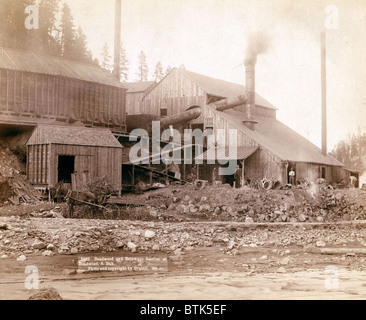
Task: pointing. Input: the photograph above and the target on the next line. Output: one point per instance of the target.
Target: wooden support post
(150, 174)
(133, 175)
(242, 172)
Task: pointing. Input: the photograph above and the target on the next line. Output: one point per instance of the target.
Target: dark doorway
(66, 167)
(323, 172)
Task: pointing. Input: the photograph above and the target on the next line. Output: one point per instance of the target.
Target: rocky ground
(185, 231)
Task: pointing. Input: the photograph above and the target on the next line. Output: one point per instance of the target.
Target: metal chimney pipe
(249, 121)
(117, 39)
(230, 103)
(324, 92)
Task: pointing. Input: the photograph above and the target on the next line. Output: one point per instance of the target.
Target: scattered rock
(285, 261)
(119, 244)
(39, 245)
(50, 247)
(63, 249)
(48, 253)
(302, 217)
(320, 243)
(4, 256)
(263, 257)
(74, 251)
(46, 294)
(149, 234)
(156, 247)
(249, 220)
(281, 270)
(22, 258)
(94, 247)
(132, 246)
(68, 272)
(153, 213)
(178, 252)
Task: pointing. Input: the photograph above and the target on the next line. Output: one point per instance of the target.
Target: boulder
(46, 294)
(39, 245)
(149, 234)
(22, 258)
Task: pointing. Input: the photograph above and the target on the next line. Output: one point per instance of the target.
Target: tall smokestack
(117, 40)
(324, 92)
(249, 121)
(258, 43)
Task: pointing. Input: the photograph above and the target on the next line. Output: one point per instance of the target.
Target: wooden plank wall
(31, 94)
(97, 161)
(134, 102)
(38, 164)
(175, 93)
(262, 164)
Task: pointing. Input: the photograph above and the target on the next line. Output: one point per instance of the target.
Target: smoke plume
(258, 42)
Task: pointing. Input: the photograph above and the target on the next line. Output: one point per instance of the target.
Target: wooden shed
(74, 155)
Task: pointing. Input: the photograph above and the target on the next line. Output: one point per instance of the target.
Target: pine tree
(352, 152)
(158, 74)
(81, 51)
(68, 34)
(124, 64)
(168, 69)
(143, 70)
(48, 10)
(13, 33)
(106, 58)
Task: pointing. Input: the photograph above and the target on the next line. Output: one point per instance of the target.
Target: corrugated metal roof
(140, 86)
(241, 153)
(38, 63)
(68, 135)
(279, 139)
(223, 88)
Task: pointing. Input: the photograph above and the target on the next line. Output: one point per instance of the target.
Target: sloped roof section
(78, 136)
(141, 86)
(279, 139)
(38, 63)
(223, 88)
(240, 153)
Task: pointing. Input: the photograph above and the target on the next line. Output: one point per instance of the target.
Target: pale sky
(209, 37)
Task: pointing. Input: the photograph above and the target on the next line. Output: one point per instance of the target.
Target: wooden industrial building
(267, 150)
(37, 88)
(73, 155)
(134, 95)
(68, 112)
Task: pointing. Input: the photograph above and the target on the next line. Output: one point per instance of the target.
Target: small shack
(74, 155)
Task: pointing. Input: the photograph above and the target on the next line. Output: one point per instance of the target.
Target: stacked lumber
(18, 190)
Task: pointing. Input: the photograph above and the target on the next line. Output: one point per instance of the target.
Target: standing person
(193, 175)
(292, 176)
(214, 175)
(353, 181)
(237, 177)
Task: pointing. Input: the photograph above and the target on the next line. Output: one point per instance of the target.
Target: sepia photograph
(184, 154)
